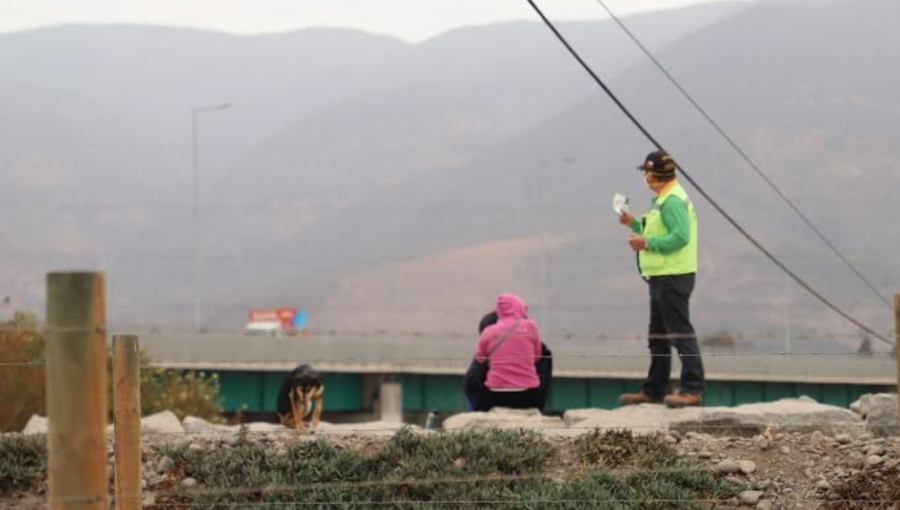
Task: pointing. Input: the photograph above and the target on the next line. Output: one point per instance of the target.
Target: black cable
(703, 192)
(745, 156)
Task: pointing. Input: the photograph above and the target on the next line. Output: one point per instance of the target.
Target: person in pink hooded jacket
(512, 378)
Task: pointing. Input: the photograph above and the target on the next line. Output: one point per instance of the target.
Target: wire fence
(401, 503)
(703, 423)
(262, 362)
(745, 338)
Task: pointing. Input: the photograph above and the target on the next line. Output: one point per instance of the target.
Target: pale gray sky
(410, 19)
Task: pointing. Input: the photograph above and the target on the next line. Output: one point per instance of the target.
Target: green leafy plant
(23, 462)
(182, 392)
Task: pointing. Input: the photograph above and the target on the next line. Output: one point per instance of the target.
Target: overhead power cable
(743, 154)
(800, 281)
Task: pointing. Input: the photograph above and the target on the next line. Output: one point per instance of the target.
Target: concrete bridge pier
(390, 402)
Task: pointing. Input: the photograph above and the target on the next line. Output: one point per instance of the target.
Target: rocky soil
(792, 463)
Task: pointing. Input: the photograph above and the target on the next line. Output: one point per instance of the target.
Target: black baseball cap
(659, 163)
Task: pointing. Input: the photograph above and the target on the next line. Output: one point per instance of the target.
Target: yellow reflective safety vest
(680, 261)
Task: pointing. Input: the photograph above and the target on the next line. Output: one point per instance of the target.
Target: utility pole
(787, 314)
(544, 294)
(195, 208)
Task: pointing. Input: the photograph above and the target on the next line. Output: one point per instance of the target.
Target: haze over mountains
(388, 186)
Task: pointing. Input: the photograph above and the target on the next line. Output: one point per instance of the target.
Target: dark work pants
(670, 324)
(513, 399)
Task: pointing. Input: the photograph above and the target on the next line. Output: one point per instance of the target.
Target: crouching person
(504, 372)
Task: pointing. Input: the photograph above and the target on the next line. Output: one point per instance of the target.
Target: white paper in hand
(620, 203)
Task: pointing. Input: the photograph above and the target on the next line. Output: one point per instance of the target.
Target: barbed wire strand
(683, 428)
(163, 363)
(406, 502)
(150, 331)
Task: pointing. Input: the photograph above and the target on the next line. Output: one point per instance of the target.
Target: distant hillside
(389, 186)
(558, 178)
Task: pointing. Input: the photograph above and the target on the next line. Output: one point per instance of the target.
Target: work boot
(683, 400)
(630, 399)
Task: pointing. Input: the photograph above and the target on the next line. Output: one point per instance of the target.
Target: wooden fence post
(127, 419)
(76, 391)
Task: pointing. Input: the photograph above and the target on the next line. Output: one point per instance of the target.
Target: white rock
(378, 428)
(165, 465)
(817, 438)
(643, 419)
(188, 483)
(882, 415)
(36, 425)
(764, 505)
(162, 423)
(747, 466)
(874, 460)
(875, 450)
(801, 415)
(728, 466)
(750, 497)
(263, 427)
(194, 425)
(503, 419)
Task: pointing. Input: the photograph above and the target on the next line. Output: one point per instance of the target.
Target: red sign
(283, 315)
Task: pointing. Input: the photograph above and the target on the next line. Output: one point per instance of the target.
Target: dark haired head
(488, 320)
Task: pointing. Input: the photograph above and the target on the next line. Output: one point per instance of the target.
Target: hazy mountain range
(389, 186)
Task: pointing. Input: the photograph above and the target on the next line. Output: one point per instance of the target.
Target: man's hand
(637, 242)
(626, 218)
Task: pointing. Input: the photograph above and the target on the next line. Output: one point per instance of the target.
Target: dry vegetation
(23, 380)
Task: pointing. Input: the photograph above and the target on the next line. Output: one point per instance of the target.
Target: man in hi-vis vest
(666, 243)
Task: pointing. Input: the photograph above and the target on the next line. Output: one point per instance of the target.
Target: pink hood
(511, 307)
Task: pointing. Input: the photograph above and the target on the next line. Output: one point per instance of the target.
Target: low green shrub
(473, 469)
(23, 462)
(182, 392)
(616, 447)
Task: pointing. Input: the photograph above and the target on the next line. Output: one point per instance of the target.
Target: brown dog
(301, 394)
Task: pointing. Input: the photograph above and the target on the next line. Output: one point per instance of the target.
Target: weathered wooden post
(127, 419)
(76, 391)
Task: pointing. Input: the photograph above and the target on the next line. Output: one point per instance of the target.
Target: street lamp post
(195, 205)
